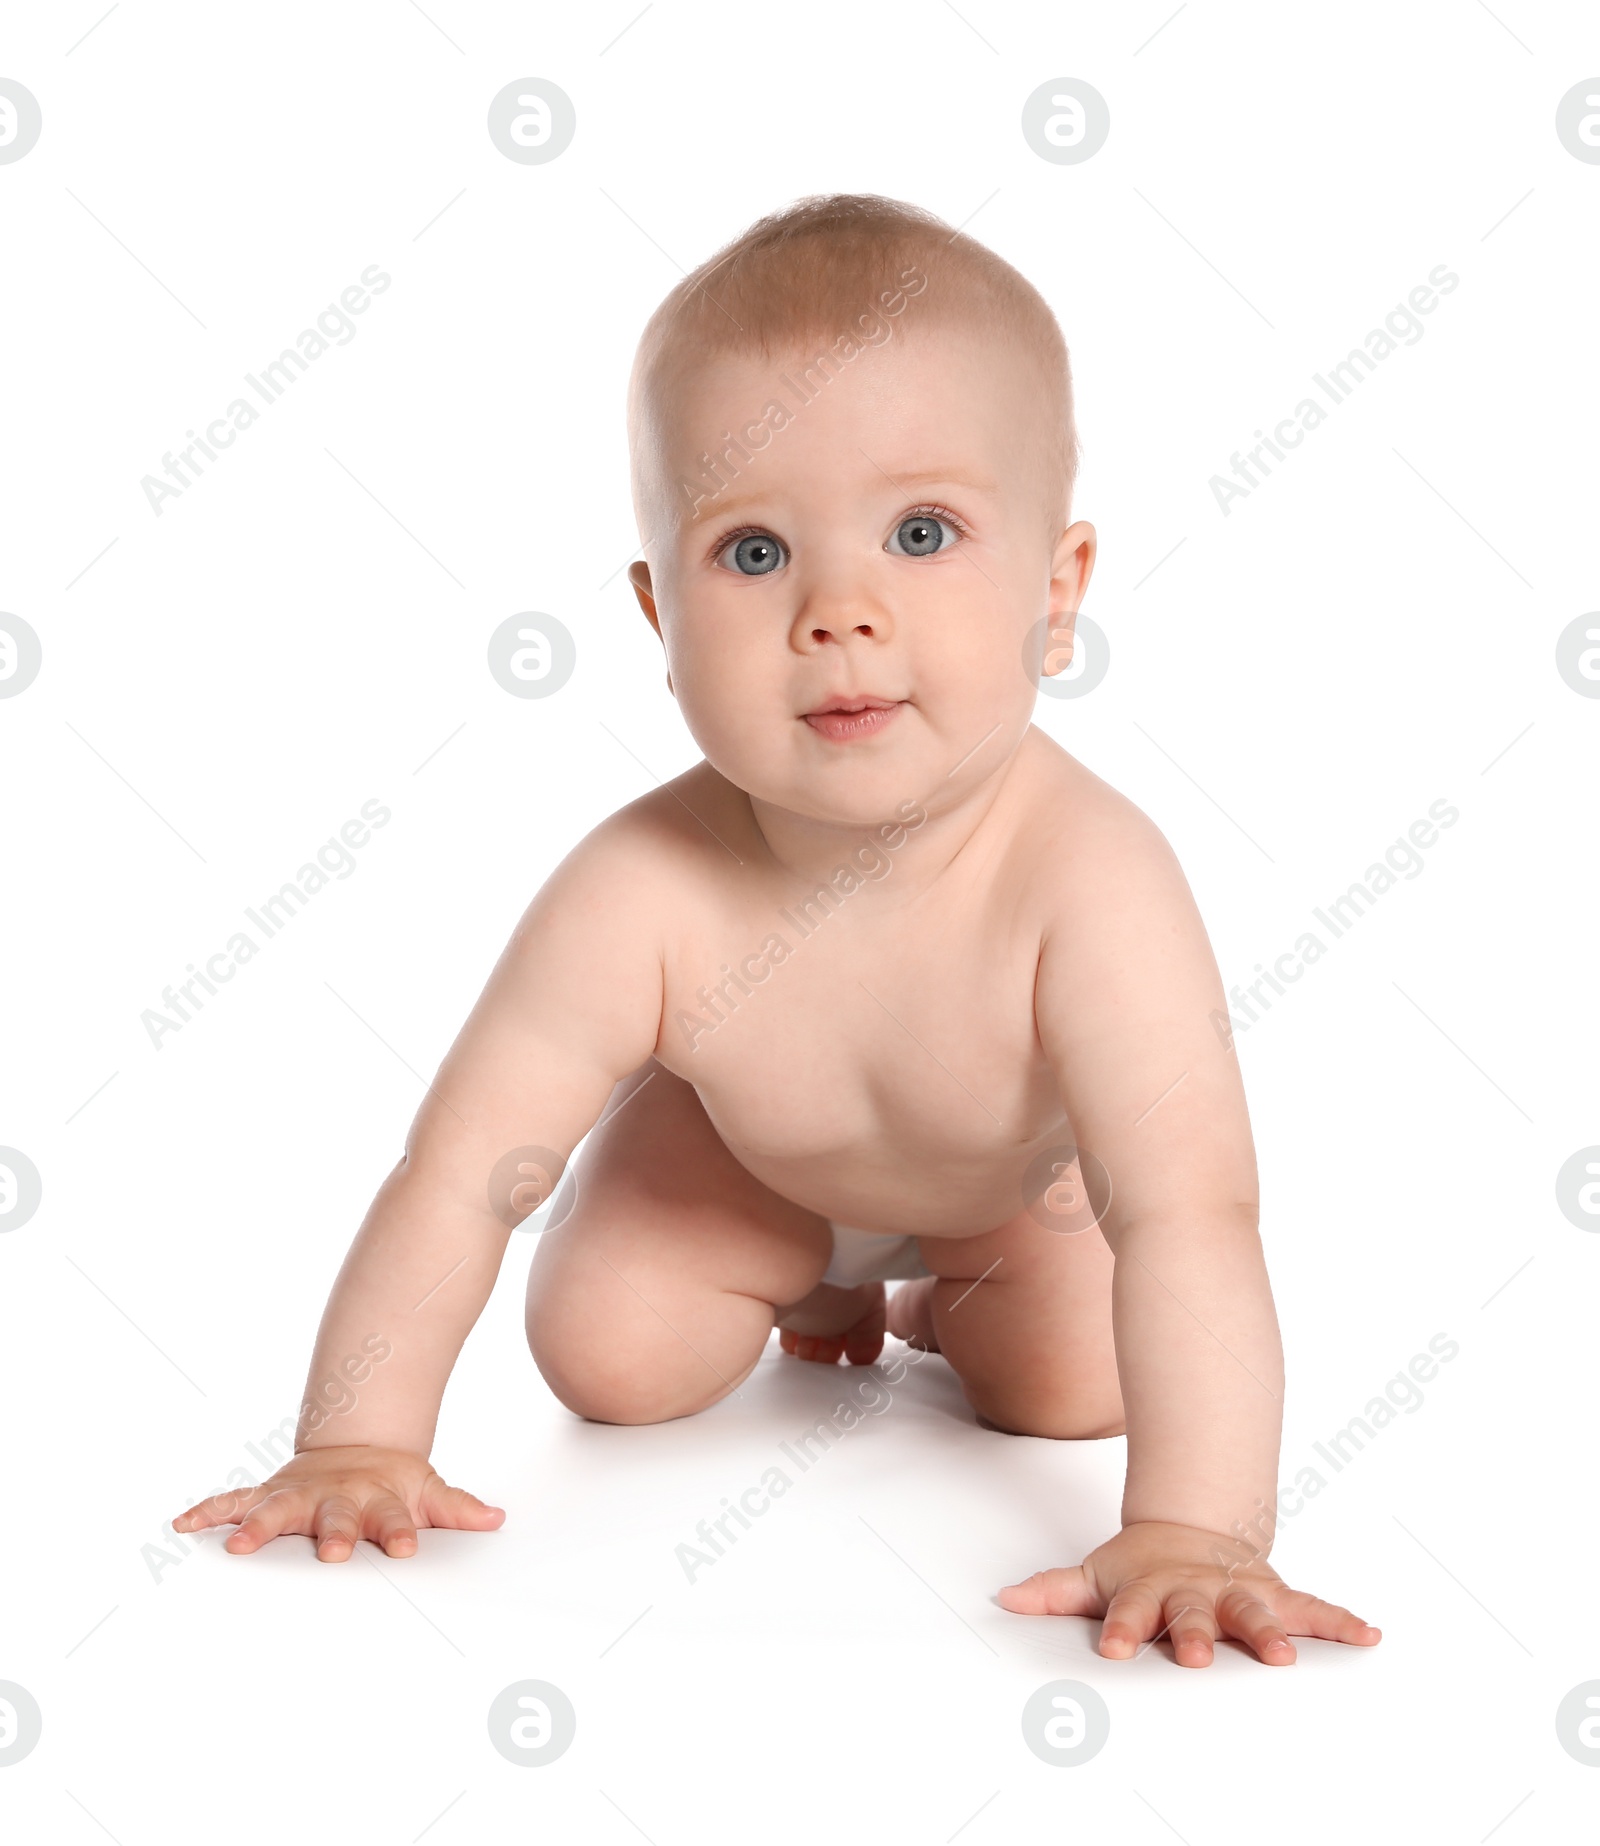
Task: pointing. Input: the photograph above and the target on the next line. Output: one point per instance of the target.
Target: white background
(1372, 630)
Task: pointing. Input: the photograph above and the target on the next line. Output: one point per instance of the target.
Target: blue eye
(754, 554)
(922, 534)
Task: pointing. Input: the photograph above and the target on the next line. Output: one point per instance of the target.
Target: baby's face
(845, 622)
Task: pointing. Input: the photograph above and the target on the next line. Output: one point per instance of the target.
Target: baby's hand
(1152, 1577)
(340, 1495)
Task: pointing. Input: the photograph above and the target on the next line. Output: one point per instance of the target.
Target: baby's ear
(1059, 639)
(639, 577)
(1072, 564)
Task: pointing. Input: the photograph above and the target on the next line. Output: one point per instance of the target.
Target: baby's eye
(754, 554)
(921, 534)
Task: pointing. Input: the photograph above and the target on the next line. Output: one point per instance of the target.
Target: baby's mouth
(843, 720)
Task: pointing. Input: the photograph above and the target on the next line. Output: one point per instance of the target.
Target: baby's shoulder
(668, 838)
(1085, 850)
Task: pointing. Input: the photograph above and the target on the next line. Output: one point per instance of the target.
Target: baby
(888, 986)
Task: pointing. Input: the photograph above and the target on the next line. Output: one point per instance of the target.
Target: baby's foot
(910, 1313)
(835, 1322)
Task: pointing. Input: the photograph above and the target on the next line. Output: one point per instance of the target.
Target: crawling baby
(889, 986)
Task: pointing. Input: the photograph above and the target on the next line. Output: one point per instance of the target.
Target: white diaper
(872, 1256)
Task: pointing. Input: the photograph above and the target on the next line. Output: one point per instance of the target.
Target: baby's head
(853, 457)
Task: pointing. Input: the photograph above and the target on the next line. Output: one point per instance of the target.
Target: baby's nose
(836, 613)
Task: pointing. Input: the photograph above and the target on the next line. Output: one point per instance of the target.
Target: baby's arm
(1126, 997)
(572, 1006)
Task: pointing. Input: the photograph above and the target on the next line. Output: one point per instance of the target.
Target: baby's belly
(891, 1079)
(882, 1163)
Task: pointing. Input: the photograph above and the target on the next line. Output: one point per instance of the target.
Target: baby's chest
(825, 1030)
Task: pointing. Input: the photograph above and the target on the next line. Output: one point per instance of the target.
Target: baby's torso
(867, 1048)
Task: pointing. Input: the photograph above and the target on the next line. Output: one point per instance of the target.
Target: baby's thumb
(455, 1507)
(1064, 1591)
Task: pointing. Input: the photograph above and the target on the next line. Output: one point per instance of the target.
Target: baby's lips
(862, 721)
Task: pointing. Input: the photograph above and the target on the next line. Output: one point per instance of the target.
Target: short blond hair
(813, 270)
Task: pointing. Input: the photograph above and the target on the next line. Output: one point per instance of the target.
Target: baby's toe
(824, 1348)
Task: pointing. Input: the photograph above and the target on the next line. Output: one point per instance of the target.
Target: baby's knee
(1087, 1415)
(595, 1379)
(619, 1400)
(1060, 1428)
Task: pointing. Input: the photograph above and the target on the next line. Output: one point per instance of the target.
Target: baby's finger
(1247, 1618)
(455, 1507)
(219, 1509)
(1064, 1591)
(1133, 1617)
(336, 1525)
(1192, 1627)
(283, 1511)
(1303, 1614)
(387, 1523)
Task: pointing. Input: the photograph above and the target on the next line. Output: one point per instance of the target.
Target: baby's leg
(656, 1296)
(1031, 1341)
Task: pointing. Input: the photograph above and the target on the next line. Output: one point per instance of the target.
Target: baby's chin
(862, 816)
(850, 797)
(855, 782)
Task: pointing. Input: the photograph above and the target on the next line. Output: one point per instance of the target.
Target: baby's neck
(923, 835)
